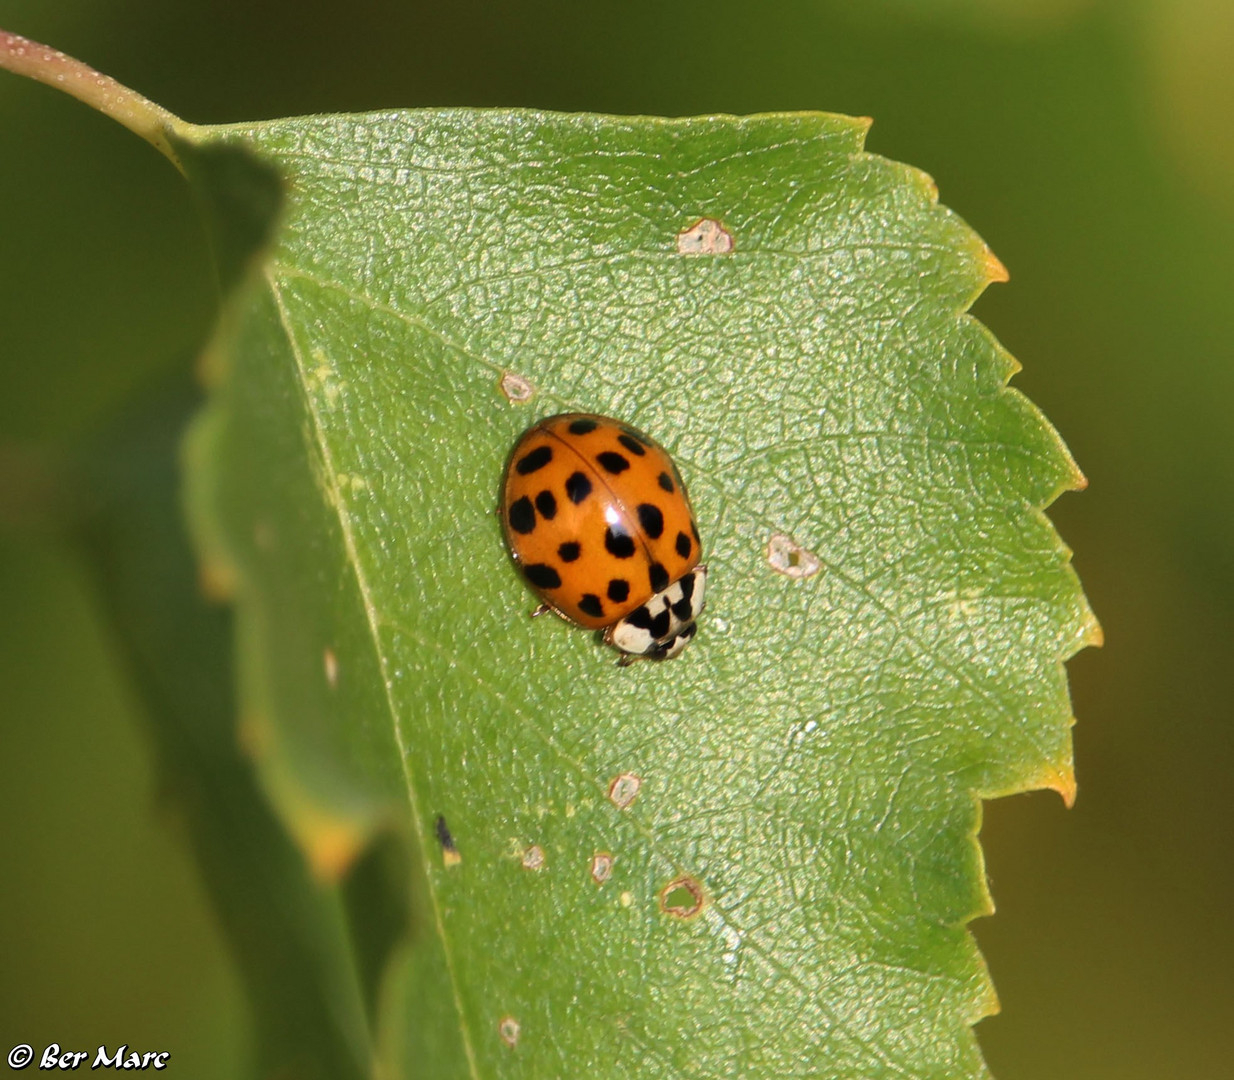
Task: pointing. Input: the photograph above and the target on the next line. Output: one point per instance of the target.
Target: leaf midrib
(370, 610)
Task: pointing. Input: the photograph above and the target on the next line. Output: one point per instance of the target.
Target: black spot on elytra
(581, 427)
(547, 505)
(660, 624)
(578, 487)
(658, 576)
(632, 444)
(650, 518)
(590, 603)
(533, 460)
(640, 618)
(619, 543)
(542, 576)
(618, 590)
(569, 551)
(521, 516)
(612, 462)
(683, 545)
(666, 482)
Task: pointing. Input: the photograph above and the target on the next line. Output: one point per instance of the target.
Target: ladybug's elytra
(599, 522)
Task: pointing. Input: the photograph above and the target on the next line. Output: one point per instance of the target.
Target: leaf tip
(1062, 780)
(995, 271)
(1092, 636)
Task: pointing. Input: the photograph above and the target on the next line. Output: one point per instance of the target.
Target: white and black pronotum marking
(663, 626)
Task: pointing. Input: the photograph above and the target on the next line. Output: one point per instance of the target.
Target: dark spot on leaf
(449, 851)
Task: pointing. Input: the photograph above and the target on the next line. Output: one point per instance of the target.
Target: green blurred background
(1091, 142)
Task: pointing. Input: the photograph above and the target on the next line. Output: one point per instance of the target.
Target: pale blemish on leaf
(533, 858)
(329, 662)
(601, 867)
(683, 898)
(786, 557)
(707, 236)
(517, 389)
(509, 1029)
(623, 789)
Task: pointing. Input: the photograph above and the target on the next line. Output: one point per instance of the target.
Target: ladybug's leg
(542, 609)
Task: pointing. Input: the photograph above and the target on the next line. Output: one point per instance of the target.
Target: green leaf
(888, 607)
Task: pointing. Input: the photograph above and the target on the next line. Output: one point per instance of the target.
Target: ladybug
(599, 522)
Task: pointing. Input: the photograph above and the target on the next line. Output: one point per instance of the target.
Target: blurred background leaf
(1063, 140)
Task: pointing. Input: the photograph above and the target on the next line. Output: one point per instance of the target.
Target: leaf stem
(137, 113)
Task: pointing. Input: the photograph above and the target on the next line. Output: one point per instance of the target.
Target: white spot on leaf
(705, 237)
(516, 388)
(786, 557)
(601, 867)
(623, 789)
(509, 1029)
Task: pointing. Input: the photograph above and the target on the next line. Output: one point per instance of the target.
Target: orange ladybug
(599, 522)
